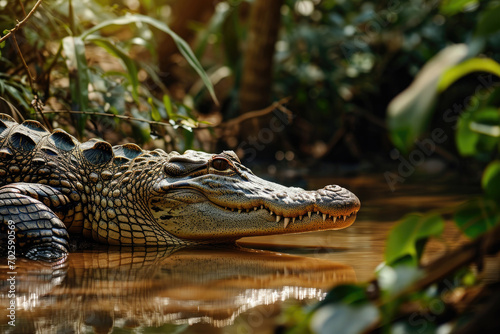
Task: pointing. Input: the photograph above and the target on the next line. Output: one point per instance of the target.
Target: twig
(19, 24)
(30, 77)
(128, 118)
(259, 113)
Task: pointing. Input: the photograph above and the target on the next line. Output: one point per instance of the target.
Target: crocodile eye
(220, 164)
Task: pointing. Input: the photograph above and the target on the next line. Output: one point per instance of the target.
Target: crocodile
(53, 186)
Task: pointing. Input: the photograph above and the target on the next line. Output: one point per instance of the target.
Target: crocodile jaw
(217, 209)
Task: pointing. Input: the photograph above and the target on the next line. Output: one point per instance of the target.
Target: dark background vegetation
(339, 62)
(402, 88)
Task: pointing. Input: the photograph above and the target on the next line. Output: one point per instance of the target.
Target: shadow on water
(104, 290)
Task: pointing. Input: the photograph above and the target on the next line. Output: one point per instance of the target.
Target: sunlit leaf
(466, 67)
(491, 180)
(126, 61)
(183, 47)
(477, 216)
(451, 7)
(405, 236)
(410, 111)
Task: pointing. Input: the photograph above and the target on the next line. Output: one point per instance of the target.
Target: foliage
(68, 37)
(477, 135)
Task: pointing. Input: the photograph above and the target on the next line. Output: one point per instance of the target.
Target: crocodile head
(201, 197)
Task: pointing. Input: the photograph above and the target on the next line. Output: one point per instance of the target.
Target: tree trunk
(257, 75)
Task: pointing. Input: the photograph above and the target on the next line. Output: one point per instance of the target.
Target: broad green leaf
(491, 180)
(488, 22)
(466, 67)
(405, 236)
(184, 48)
(76, 62)
(410, 111)
(127, 62)
(476, 216)
(452, 7)
(345, 319)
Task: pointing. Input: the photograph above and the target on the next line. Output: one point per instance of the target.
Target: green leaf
(488, 22)
(452, 7)
(466, 67)
(476, 216)
(404, 238)
(183, 47)
(347, 319)
(127, 62)
(478, 131)
(410, 111)
(155, 113)
(76, 62)
(466, 139)
(167, 103)
(491, 180)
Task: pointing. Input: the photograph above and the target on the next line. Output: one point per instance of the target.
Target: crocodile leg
(39, 232)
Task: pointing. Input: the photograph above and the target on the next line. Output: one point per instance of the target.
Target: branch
(259, 113)
(128, 118)
(20, 24)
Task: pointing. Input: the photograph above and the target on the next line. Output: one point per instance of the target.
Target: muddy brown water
(216, 289)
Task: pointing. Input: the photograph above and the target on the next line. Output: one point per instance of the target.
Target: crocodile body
(52, 186)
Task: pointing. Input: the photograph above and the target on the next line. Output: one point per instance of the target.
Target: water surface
(240, 289)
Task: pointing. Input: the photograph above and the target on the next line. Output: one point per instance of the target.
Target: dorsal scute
(34, 125)
(160, 152)
(97, 152)
(5, 123)
(62, 140)
(129, 150)
(22, 141)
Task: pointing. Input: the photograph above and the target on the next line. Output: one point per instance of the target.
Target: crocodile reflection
(134, 288)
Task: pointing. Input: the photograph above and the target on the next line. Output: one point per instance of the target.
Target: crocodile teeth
(271, 213)
(324, 216)
(334, 219)
(293, 220)
(254, 208)
(262, 206)
(317, 212)
(287, 221)
(278, 218)
(344, 217)
(309, 214)
(239, 210)
(300, 217)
